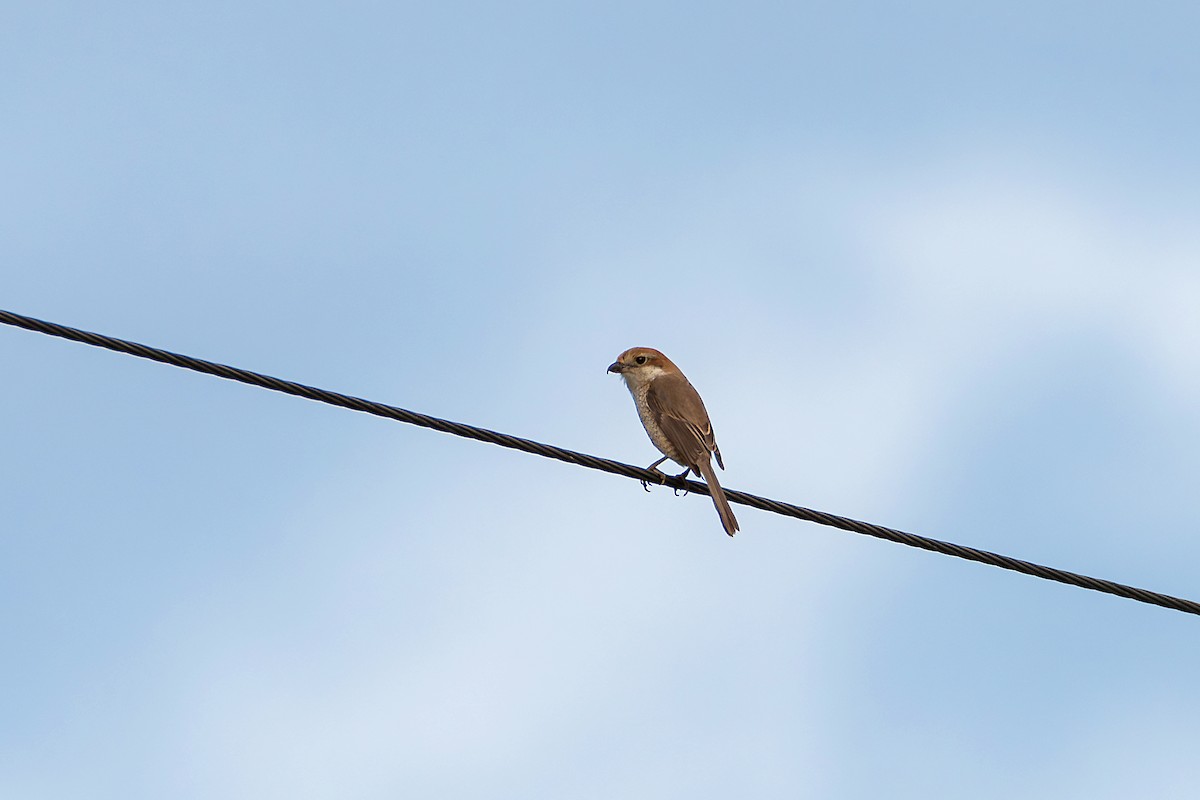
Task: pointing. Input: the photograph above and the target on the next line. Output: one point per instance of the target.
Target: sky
(932, 265)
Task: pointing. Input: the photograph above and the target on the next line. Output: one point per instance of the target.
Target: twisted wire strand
(594, 462)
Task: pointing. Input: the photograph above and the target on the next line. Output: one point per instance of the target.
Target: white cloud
(410, 631)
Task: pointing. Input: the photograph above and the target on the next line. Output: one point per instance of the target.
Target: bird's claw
(662, 478)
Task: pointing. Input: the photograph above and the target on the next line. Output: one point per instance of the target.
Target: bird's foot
(662, 477)
(681, 476)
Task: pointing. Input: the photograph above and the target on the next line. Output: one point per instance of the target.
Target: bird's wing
(681, 415)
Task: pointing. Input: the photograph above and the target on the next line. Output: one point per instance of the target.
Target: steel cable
(594, 462)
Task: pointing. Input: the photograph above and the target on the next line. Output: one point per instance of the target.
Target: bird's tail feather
(728, 521)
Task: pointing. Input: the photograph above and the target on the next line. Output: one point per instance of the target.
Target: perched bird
(675, 419)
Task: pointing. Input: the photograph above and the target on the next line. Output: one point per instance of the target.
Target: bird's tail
(728, 521)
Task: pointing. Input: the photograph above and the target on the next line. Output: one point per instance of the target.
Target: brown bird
(675, 419)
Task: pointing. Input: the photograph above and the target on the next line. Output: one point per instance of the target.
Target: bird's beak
(616, 367)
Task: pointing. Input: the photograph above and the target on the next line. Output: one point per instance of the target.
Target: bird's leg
(654, 468)
(680, 476)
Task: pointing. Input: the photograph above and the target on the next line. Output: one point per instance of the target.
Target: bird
(675, 419)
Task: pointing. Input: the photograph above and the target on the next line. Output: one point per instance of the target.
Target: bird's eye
(640, 359)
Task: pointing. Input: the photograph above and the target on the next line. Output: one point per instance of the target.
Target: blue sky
(934, 266)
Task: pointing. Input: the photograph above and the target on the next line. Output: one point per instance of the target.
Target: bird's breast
(650, 422)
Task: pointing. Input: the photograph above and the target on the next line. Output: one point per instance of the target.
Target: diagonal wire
(593, 462)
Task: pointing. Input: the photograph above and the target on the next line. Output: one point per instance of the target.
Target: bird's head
(641, 365)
